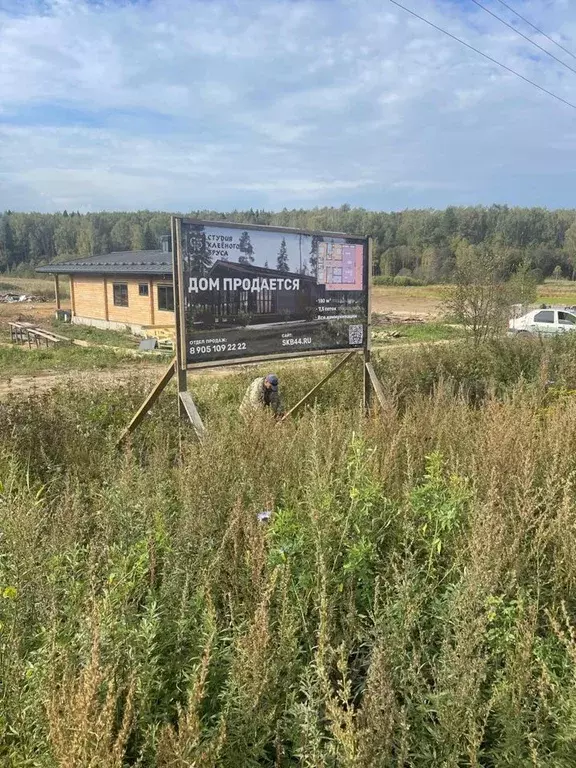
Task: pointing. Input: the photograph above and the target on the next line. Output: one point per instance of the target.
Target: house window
(166, 298)
(143, 289)
(120, 294)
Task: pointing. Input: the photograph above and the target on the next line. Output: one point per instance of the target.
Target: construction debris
(20, 333)
(391, 318)
(15, 298)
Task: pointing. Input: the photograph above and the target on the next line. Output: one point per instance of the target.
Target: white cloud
(183, 103)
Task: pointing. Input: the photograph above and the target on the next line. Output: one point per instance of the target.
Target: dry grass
(417, 300)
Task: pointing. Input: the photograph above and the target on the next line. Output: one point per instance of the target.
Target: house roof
(116, 263)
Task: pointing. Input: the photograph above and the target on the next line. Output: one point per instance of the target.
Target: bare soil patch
(419, 302)
(24, 312)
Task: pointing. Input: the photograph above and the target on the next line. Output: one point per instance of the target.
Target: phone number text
(206, 349)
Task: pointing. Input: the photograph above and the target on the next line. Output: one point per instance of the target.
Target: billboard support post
(321, 383)
(176, 234)
(186, 404)
(373, 378)
(368, 343)
(149, 402)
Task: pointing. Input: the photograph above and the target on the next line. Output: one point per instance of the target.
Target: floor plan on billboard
(340, 266)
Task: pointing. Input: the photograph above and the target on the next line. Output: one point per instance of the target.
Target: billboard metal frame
(180, 366)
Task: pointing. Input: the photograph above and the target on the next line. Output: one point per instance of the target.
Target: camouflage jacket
(254, 399)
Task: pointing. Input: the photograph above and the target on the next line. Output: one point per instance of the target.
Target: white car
(543, 321)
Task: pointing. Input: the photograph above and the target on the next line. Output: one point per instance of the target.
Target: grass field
(414, 333)
(93, 335)
(409, 603)
(109, 354)
(33, 286)
(557, 292)
(20, 361)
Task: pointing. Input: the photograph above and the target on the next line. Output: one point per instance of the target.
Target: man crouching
(261, 394)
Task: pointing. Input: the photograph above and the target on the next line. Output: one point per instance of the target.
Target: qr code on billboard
(355, 334)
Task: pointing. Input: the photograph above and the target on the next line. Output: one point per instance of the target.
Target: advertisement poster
(255, 291)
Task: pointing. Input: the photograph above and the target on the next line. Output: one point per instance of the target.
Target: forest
(411, 244)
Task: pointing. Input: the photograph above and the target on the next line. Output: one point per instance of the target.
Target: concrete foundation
(109, 325)
(146, 331)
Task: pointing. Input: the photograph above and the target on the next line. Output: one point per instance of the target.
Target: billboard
(250, 291)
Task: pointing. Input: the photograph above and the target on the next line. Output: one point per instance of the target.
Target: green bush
(399, 280)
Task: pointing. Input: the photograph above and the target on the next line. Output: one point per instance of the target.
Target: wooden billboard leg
(368, 339)
(314, 389)
(148, 403)
(191, 411)
(367, 381)
(375, 381)
(182, 381)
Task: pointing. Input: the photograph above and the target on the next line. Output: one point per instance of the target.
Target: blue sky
(185, 104)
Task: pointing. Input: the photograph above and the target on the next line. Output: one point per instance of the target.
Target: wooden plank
(192, 412)
(323, 381)
(34, 334)
(375, 381)
(56, 336)
(43, 334)
(148, 402)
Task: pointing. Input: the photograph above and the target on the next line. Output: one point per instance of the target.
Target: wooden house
(123, 290)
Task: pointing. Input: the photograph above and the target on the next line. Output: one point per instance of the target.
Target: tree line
(422, 244)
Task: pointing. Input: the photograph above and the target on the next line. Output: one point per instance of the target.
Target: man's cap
(272, 379)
